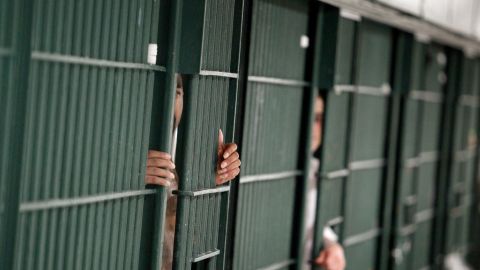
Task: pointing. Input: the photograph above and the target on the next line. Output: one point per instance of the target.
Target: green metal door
(353, 155)
(87, 134)
(209, 67)
(335, 51)
(266, 207)
(417, 178)
(465, 147)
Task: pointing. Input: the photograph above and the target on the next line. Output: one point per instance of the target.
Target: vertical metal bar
(305, 153)
(243, 15)
(165, 139)
(400, 82)
(446, 153)
(17, 93)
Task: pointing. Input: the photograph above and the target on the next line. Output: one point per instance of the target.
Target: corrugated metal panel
(87, 134)
(210, 48)
(207, 101)
(208, 36)
(263, 236)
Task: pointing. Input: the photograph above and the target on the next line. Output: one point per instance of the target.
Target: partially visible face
(178, 101)
(318, 124)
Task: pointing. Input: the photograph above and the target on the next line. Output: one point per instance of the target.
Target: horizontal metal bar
(279, 265)
(201, 192)
(424, 215)
(407, 230)
(422, 158)
(279, 81)
(383, 90)
(411, 199)
(456, 211)
(334, 221)
(337, 174)
(362, 237)
(428, 157)
(344, 88)
(269, 176)
(205, 256)
(465, 155)
(5, 52)
(411, 163)
(366, 164)
(69, 202)
(70, 59)
(469, 101)
(427, 96)
(218, 74)
(389, 16)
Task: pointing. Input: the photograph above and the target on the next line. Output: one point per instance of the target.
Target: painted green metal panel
(208, 108)
(421, 245)
(336, 36)
(368, 134)
(209, 51)
(336, 136)
(208, 36)
(464, 155)
(270, 110)
(362, 255)
(364, 191)
(271, 136)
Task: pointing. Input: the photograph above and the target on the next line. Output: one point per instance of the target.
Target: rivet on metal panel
(441, 59)
(386, 88)
(442, 77)
(152, 53)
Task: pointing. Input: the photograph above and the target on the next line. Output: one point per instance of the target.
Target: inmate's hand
(331, 258)
(228, 166)
(159, 169)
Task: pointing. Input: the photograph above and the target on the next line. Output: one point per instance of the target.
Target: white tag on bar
(304, 41)
(152, 53)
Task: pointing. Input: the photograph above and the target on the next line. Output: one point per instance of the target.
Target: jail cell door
(418, 153)
(333, 75)
(266, 211)
(87, 135)
(209, 59)
(464, 156)
(366, 161)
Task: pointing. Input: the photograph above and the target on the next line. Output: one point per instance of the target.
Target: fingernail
(223, 165)
(173, 166)
(226, 155)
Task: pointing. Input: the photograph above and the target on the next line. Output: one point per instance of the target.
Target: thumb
(220, 142)
(320, 259)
